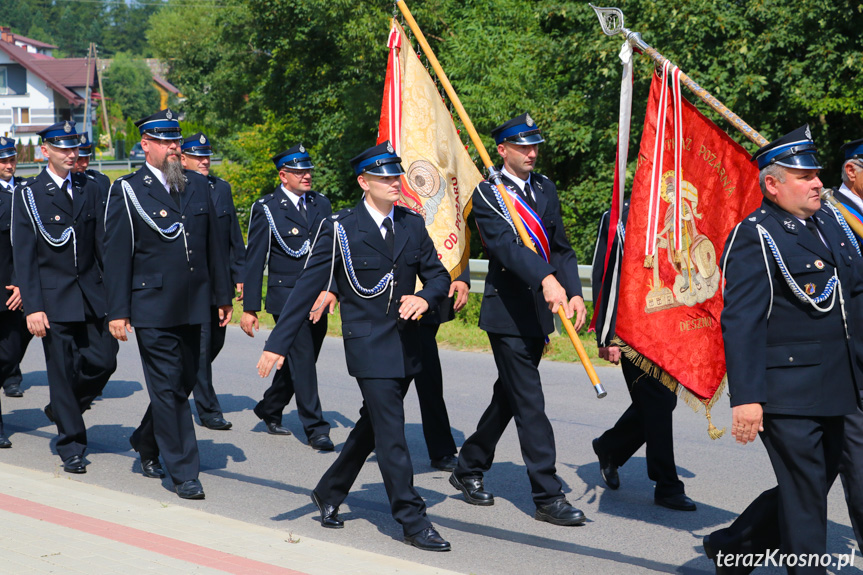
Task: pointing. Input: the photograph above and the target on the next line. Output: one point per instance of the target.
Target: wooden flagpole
(494, 175)
(611, 20)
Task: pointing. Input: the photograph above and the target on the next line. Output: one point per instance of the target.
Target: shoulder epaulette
(408, 211)
(755, 217)
(342, 213)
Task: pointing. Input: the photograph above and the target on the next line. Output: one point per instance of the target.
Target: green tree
(129, 82)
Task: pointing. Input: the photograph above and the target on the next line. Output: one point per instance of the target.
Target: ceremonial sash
(855, 213)
(531, 220)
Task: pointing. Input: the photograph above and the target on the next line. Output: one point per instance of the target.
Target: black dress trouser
(170, 359)
(381, 427)
(647, 420)
(298, 376)
(517, 395)
(429, 386)
(212, 342)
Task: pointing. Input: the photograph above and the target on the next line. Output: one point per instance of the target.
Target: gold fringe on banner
(689, 398)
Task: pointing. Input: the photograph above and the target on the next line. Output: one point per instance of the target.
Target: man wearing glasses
(163, 267)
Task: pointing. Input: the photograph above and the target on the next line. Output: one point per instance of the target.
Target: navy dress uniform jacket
(265, 252)
(513, 303)
(49, 278)
(602, 286)
(377, 343)
(7, 272)
(230, 235)
(149, 278)
(779, 351)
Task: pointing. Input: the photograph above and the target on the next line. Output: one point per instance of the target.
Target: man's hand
(249, 323)
(577, 309)
(463, 289)
(267, 361)
(610, 353)
(225, 313)
(239, 288)
(746, 421)
(555, 295)
(412, 307)
(14, 301)
(326, 302)
(119, 328)
(37, 323)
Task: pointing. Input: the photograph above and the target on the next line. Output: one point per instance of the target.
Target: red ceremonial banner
(671, 287)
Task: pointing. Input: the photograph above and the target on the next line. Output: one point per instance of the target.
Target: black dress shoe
(321, 443)
(4, 442)
(678, 502)
(74, 465)
(13, 390)
(472, 489)
(218, 423)
(152, 468)
(276, 429)
(329, 513)
(428, 540)
(606, 468)
(445, 463)
(49, 413)
(560, 512)
(190, 489)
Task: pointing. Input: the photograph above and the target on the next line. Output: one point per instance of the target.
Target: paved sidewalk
(53, 523)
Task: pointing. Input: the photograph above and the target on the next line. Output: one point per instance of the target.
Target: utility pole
(87, 119)
(104, 105)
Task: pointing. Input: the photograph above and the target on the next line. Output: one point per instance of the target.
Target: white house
(36, 89)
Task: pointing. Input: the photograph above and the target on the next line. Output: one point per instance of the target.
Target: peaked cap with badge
(7, 148)
(793, 150)
(853, 150)
(521, 130)
(295, 158)
(197, 145)
(163, 125)
(380, 160)
(85, 149)
(61, 135)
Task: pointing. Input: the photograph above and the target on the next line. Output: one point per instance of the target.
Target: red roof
(32, 42)
(165, 84)
(61, 74)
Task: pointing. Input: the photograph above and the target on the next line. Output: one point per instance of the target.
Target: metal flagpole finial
(611, 20)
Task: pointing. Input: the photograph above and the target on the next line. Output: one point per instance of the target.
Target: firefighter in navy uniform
(280, 227)
(648, 420)
(82, 166)
(8, 164)
(163, 268)
(380, 251)
(14, 335)
(522, 291)
(54, 244)
(790, 347)
(196, 152)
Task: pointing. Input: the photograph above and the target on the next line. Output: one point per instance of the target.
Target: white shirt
(855, 199)
(519, 182)
(10, 185)
(295, 199)
(379, 218)
(160, 175)
(59, 181)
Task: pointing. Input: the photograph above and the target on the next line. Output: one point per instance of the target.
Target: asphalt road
(263, 479)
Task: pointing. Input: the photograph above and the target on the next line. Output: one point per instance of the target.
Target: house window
(21, 115)
(4, 86)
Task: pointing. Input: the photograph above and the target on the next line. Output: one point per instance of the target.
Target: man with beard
(11, 326)
(196, 152)
(54, 244)
(163, 267)
(14, 336)
(282, 227)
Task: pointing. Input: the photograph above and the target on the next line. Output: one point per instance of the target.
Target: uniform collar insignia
(789, 224)
(148, 180)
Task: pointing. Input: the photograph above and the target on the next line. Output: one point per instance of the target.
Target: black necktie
(528, 196)
(810, 225)
(67, 201)
(301, 205)
(388, 226)
(176, 195)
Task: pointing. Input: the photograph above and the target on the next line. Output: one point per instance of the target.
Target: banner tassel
(690, 399)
